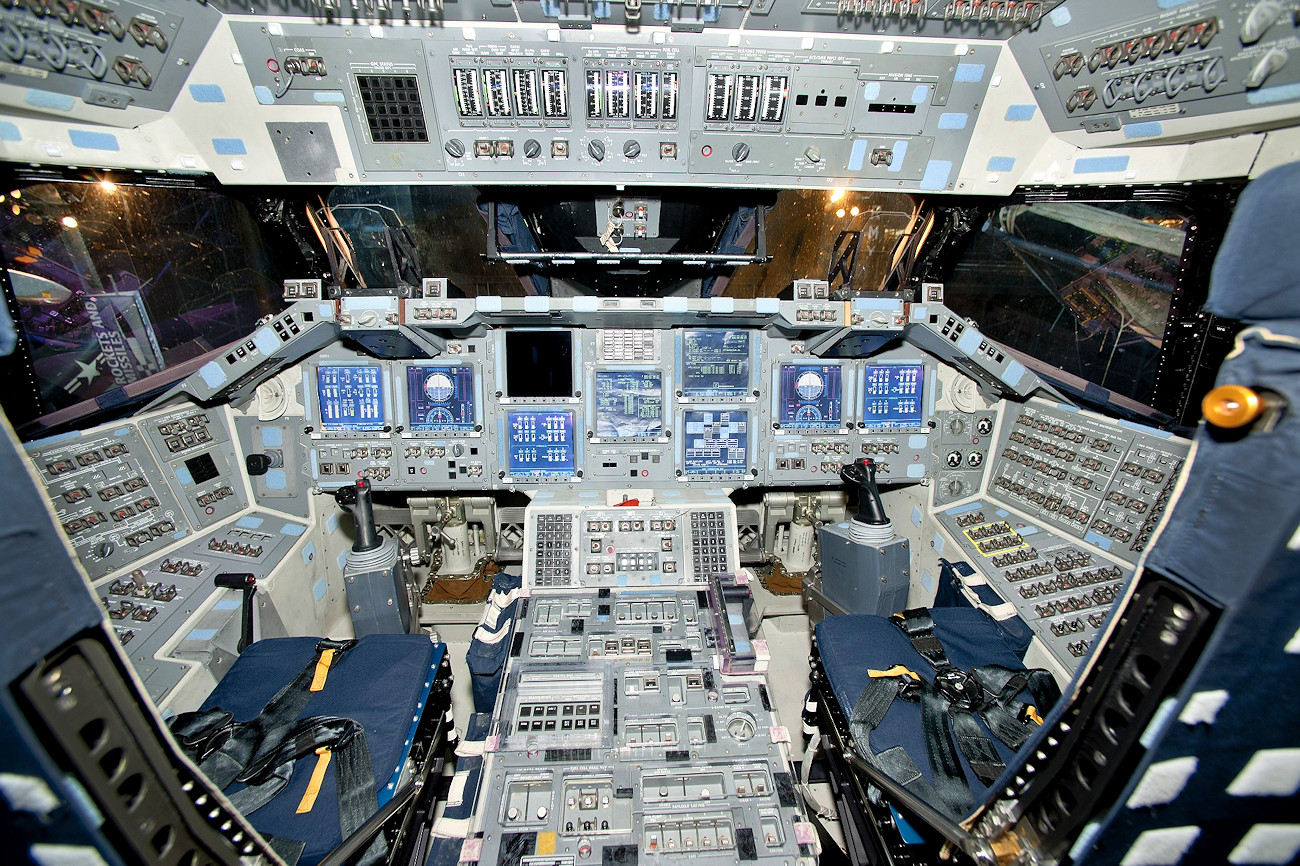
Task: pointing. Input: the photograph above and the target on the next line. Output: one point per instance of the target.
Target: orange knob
(1232, 406)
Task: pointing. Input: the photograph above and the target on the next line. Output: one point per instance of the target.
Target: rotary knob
(813, 153)
(740, 152)
(457, 450)
(532, 148)
(631, 148)
(455, 148)
(596, 148)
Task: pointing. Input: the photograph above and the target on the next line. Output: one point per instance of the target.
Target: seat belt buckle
(963, 691)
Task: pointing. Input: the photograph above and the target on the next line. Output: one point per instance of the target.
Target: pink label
(472, 849)
(780, 734)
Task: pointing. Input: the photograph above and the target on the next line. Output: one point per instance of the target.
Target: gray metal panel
(306, 151)
(861, 578)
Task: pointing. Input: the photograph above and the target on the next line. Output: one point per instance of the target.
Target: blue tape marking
(1015, 372)
(1100, 164)
(953, 120)
(1172, 4)
(1066, 407)
(970, 341)
(586, 304)
(917, 440)
(1270, 95)
(1001, 512)
(1017, 113)
(871, 89)
(963, 509)
(318, 588)
(1150, 431)
(742, 646)
(275, 479)
(1100, 540)
(183, 476)
(936, 174)
(487, 304)
(123, 431)
(900, 154)
(656, 580)
(329, 97)
(250, 522)
(722, 305)
(1001, 163)
(1027, 530)
(56, 101)
(9, 131)
(916, 470)
(272, 437)
(537, 304)
(332, 524)
(920, 92)
(341, 559)
(875, 304)
(1150, 129)
(938, 542)
(201, 635)
(1060, 16)
(264, 94)
(910, 836)
(621, 579)
(919, 312)
(767, 306)
(916, 515)
(293, 530)
(927, 580)
(266, 341)
(969, 73)
(229, 146)
(674, 305)
(207, 93)
(227, 604)
(857, 155)
(87, 140)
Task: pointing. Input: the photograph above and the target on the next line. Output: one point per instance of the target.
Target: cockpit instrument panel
(440, 399)
(629, 404)
(715, 442)
(541, 443)
(893, 396)
(810, 397)
(716, 363)
(351, 397)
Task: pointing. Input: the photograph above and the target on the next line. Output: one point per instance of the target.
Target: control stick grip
(358, 501)
(247, 583)
(862, 474)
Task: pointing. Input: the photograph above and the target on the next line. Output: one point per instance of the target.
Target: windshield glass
(116, 283)
(845, 238)
(1084, 287)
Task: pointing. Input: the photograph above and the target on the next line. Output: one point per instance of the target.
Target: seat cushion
(849, 646)
(382, 683)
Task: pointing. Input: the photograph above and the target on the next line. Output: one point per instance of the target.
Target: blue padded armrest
(381, 683)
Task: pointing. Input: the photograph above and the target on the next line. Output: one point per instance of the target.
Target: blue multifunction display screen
(715, 363)
(541, 443)
(894, 395)
(810, 396)
(351, 397)
(440, 398)
(629, 404)
(716, 442)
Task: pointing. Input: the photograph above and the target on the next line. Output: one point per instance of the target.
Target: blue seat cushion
(382, 683)
(849, 646)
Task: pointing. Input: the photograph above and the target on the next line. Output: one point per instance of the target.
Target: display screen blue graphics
(716, 443)
(629, 404)
(715, 363)
(811, 397)
(440, 398)
(351, 397)
(894, 395)
(541, 443)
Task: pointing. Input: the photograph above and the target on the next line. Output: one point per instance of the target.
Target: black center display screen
(715, 362)
(541, 443)
(539, 364)
(716, 442)
(811, 397)
(351, 397)
(440, 398)
(629, 404)
(894, 395)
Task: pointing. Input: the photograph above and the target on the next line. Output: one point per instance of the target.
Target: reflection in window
(1083, 287)
(117, 283)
